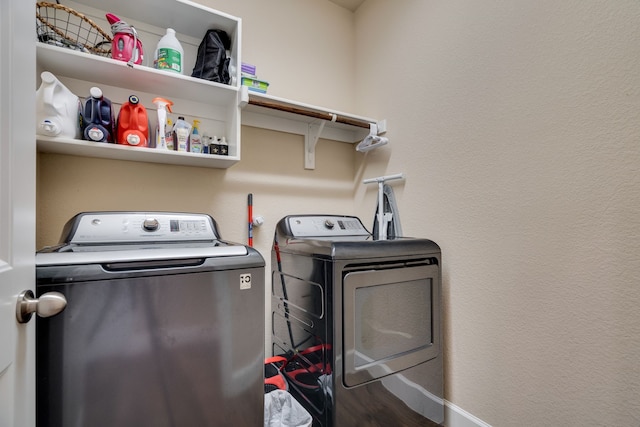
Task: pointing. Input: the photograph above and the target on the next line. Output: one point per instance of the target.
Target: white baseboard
(415, 396)
(454, 416)
(423, 402)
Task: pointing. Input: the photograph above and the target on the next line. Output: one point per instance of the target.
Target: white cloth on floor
(281, 409)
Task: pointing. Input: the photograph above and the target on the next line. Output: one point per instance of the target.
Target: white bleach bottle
(57, 109)
(169, 54)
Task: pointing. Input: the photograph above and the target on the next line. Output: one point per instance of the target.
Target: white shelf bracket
(310, 140)
(243, 96)
(382, 127)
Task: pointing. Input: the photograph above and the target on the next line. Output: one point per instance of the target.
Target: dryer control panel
(325, 226)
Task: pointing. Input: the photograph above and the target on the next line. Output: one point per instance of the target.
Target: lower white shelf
(74, 147)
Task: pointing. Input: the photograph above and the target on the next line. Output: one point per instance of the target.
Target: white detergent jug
(57, 109)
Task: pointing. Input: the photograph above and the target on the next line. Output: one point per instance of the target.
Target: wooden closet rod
(309, 113)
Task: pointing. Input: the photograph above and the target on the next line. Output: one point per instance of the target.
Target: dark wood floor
(380, 409)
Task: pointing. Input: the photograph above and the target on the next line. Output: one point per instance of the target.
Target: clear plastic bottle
(169, 54)
(206, 141)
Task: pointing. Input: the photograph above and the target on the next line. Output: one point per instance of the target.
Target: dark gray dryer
(359, 322)
(164, 324)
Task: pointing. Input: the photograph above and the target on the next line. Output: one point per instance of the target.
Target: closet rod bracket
(314, 130)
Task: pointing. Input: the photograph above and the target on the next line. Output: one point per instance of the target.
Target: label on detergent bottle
(168, 136)
(169, 59)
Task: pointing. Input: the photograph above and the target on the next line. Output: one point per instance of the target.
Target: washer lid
(76, 255)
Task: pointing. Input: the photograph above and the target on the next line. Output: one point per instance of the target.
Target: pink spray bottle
(126, 46)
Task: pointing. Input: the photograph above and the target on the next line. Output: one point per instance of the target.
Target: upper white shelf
(186, 17)
(78, 65)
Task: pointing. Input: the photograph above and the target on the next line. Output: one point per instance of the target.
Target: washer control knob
(150, 224)
(329, 224)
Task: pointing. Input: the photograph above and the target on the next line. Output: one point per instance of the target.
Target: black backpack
(212, 62)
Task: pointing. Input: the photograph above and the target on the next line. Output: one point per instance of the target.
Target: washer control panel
(119, 227)
(325, 226)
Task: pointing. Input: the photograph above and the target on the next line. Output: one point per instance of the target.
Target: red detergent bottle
(125, 46)
(133, 123)
(98, 122)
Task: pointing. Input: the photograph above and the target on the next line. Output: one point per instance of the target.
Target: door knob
(47, 305)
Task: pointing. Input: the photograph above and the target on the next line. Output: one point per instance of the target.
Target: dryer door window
(391, 321)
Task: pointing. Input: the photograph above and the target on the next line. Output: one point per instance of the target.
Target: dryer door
(391, 320)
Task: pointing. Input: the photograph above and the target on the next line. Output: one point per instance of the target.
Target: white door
(17, 209)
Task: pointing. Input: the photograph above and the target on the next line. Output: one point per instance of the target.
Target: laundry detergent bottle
(57, 109)
(98, 121)
(169, 54)
(133, 123)
(181, 131)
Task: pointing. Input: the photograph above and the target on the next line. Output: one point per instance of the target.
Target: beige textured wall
(304, 49)
(517, 125)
